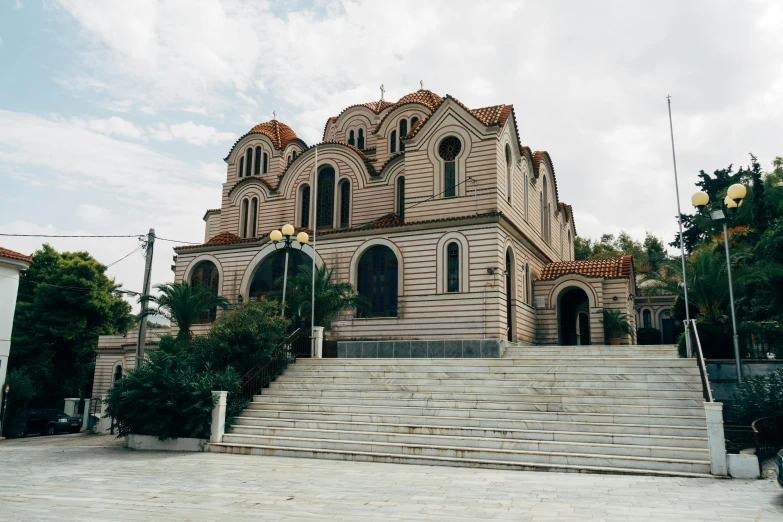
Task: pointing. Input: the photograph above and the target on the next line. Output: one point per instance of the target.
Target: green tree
(583, 248)
(183, 304)
(20, 394)
(646, 256)
(331, 297)
(65, 302)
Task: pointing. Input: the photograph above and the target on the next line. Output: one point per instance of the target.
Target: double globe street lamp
(286, 238)
(721, 214)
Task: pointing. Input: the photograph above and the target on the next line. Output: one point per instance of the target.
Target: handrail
(705, 380)
(768, 435)
(265, 372)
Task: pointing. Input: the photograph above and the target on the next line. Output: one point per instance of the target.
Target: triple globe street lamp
(721, 214)
(285, 236)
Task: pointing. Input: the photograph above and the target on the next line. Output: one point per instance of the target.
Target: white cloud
(18, 5)
(196, 134)
(196, 110)
(91, 213)
(247, 99)
(113, 126)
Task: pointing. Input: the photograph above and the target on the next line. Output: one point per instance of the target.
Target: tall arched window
(528, 285)
(393, 142)
(545, 229)
(508, 173)
(206, 275)
(304, 215)
(543, 225)
(449, 149)
(253, 217)
(266, 163)
(452, 267)
(325, 204)
(568, 245)
(647, 318)
(345, 203)
(403, 132)
(271, 270)
(288, 160)
(117, 373)
(377, 281)
(360, 140)
(249, 162)
(257, 169)
(241, 166)
(243, 215)
(351, 140)
(527, 201)
(413, 121)
(401, 197)
(293, 155)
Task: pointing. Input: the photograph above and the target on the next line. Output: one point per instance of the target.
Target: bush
(759, 396)
(648, 336)
(168, 398)
(682, 348)
(19, 396)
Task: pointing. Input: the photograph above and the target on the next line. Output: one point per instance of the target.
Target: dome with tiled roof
(423, 96)
(280, 133)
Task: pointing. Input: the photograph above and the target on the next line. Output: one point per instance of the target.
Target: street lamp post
(285, 236)
(734, 197)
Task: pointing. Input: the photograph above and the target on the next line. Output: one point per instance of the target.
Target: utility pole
(145, 294)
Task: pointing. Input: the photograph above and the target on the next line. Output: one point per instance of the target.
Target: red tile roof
(224, 238)
(495, 115)
(280, 133)
(10, 254)
(615, 268)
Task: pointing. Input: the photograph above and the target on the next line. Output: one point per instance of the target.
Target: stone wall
(450, 349)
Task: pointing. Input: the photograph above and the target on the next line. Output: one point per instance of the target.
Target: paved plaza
(91, 477)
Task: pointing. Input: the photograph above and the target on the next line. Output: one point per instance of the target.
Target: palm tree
(184, 305)
(331, 297)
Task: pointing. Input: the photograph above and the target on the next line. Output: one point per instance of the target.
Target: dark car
(779, 464)
(50, 422)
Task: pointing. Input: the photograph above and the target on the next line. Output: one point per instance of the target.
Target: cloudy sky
(115, 116)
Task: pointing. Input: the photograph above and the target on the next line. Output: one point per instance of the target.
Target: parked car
(50, 422)
(779, 464)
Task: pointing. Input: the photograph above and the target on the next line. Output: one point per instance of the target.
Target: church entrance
(573, 317)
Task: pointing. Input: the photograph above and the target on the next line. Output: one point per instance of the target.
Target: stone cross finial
(274, 115)
(382, 91)
(421, 84)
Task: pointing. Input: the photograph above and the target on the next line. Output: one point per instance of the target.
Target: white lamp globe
(275, 236)
(737, 191)
(302, 238)
(288, 230)
(699, 199)
(729, 202)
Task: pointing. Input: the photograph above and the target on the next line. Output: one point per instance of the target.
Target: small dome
(423, 96)
(280, 133)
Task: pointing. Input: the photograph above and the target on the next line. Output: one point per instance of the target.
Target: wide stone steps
(697, 439)
(590, 422)
(601, 409)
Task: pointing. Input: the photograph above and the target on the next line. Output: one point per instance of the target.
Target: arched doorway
(511, 295)
(377, 281)
(573, 311)
(273, 267)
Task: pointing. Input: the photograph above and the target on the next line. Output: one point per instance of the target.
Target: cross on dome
(274, 115)
(421, 84)
(382, 91)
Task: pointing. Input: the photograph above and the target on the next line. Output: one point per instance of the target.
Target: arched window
(543, 225)
(568, 245)
(288, 160)
(249, 162)
(253, 217)
(647, 319)
(452, 267)
(257, 169)
(270, 271)
(545, 229)
(293, 155)
(241, 166)
(528, 285)
(117, 373)
(449, 149)
(266, 163)
(401, 197)
(377, 281)
(393, 142)
(244, 217)
(345, 203)
(304, 215)
(527, 184)
(325, 204)
(205, 275)
(403, 132)
(508, 173)
(360, 140)
(413, 121)
(351, 140)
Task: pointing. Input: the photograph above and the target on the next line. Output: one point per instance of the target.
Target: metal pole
(731, 298)
(285, 273)
(315, 226)
(144, 303)
(679, 221)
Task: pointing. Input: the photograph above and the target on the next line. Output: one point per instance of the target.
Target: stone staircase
(611, 409)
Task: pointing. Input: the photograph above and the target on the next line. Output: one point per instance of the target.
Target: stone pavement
(91, 477)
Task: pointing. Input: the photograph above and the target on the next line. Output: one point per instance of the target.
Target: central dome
(280, 133)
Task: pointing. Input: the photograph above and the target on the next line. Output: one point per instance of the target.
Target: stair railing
(705, 380)
(263, 373)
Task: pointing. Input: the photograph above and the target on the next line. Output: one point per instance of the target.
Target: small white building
(11, 264)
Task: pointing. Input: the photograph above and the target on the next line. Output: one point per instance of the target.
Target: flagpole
(315, 226)
(682, 239)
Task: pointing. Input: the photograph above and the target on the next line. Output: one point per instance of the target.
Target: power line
(125, 256)
(177, 241)
(58, 235)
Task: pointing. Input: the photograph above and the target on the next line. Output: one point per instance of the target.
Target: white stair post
(218, 417)
(318, 342)
(86, 416)
(716, 438)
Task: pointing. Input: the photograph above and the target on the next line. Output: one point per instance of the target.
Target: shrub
(19, 396)
(616, 324)
(759, 396)
(168, 397)
(682, 349)
(648, 336)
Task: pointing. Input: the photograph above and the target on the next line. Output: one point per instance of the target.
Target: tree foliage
(183, 304)
(21, 392)
(647, 255)
(65, 302)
